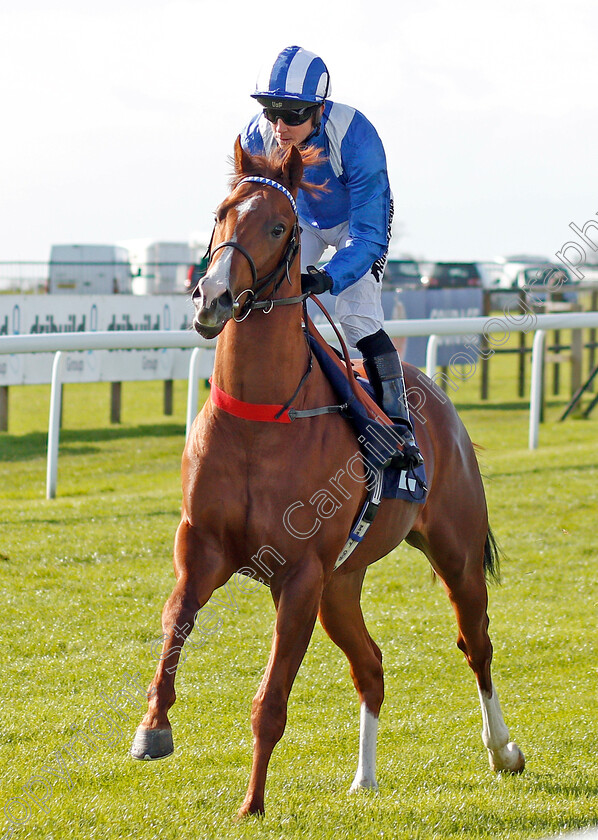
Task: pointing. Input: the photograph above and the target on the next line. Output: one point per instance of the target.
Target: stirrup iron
(385, 372)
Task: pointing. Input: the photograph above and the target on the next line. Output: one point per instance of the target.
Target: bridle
(275, 277)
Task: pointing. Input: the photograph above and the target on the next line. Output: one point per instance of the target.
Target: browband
(258, 179)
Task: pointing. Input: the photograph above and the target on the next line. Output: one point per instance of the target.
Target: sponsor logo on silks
(380, 264)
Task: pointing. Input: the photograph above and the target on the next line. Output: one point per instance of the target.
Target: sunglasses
(298, 117)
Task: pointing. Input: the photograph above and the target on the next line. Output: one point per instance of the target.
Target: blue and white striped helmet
(297, 78)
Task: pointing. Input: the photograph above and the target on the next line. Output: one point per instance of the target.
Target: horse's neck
(262, 359)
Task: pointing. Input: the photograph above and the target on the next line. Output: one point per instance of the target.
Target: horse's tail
(492, 554)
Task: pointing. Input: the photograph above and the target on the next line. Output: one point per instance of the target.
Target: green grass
(84, 578)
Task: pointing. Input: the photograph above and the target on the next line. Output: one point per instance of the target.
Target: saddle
(374, 430)
(375, 435)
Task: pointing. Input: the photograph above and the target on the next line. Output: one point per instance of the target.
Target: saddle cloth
(376, 440)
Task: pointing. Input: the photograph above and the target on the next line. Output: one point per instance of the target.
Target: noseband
(273, 277)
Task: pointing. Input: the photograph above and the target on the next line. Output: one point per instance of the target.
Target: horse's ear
(292, 167)
(242, 159)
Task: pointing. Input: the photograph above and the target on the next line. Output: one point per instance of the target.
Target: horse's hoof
(249, 810)
(508, 760)
(150, 744)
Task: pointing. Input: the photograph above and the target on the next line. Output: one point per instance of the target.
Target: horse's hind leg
(459, 562)
(342, 619)
(198, 573)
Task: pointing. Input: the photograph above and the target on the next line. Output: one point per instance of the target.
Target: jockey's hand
(316, 281)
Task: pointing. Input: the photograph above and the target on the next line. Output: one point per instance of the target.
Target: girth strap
(365, 518)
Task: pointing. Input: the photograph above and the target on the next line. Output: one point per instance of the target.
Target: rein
(372, 408)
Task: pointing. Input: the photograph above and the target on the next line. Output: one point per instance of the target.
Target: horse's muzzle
(210, 318)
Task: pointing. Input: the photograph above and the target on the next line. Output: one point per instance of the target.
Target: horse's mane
(270, 166)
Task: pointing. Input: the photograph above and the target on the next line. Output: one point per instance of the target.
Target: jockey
(354, 215)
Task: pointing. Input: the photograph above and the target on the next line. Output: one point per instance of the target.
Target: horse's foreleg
(296, 606)
(342, 619)
(469, 597)
(197, 577)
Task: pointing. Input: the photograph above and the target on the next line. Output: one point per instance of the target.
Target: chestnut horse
(257, 496)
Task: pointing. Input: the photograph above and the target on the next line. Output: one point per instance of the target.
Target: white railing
(65, 342)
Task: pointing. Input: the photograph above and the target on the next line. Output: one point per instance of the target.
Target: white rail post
(432, 355)
(535, 399)
(54, 425)
(193, 387)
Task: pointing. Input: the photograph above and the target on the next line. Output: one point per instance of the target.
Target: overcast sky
(118, 117)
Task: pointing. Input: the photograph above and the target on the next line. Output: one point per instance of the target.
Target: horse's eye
(278, 231)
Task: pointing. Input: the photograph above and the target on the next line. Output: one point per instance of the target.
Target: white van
(89, 269)
(159, 268)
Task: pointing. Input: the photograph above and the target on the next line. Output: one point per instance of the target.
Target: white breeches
(358, 308)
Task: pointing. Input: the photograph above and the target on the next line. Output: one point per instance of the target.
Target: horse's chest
(288, 494)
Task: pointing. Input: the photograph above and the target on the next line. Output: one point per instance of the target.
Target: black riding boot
(385, 372)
